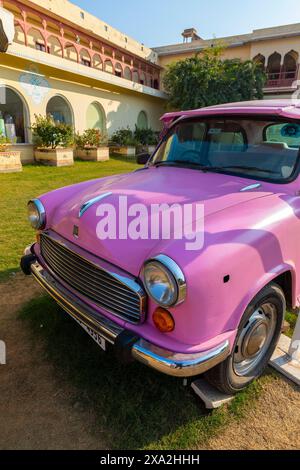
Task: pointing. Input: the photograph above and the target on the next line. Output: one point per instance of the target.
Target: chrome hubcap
(254, 340)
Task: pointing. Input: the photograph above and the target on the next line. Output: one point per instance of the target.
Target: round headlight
(36, 214)
(164, 281)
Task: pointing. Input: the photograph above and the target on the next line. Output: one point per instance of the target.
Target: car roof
(287, 108)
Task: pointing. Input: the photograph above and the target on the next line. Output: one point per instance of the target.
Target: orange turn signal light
(38, 237)
(163, 320)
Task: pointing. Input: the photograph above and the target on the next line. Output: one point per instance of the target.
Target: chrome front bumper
(167, 362)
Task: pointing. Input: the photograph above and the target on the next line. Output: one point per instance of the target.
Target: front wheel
(256, 341)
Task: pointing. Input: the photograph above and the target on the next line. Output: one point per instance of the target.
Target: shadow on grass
(139, 407)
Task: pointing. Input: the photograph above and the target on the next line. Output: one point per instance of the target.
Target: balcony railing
(281, 79)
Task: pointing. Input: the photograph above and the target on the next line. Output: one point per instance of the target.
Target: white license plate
(93, 334)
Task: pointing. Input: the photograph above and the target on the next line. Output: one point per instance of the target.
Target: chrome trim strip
(91, 202)
(74, 307)
(176, 272)
(176, 364)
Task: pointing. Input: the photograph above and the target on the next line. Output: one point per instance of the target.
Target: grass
(16, 189)
(291, 318)
(133, 406)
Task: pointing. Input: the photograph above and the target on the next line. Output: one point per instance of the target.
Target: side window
(287, 134)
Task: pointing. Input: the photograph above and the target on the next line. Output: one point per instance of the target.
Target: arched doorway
(142, 121)
(274, 66)
(60, 110)
(260, 60)
(13, 116)
(95, 117)
(290, 64)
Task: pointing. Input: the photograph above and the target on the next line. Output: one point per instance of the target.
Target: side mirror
(142, 158)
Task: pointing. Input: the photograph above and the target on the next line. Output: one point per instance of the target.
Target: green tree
(206, 80)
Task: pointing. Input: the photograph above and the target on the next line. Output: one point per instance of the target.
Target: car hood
(164, 185)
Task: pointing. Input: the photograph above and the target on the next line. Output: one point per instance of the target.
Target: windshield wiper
(213, 168)
(247, 168)
(177, 163)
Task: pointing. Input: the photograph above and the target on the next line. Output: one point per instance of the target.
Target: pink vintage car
(217, 309)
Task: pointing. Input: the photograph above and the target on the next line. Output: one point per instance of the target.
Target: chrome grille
(98, 285)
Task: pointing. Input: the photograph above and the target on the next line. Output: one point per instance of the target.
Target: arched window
(19, 35)
(274, 66)
(108, 66)
(127, 73)
(60, 110)
(85, 58)
(260, 60)
(95, 117)
(54, 46)
(118, 70)
(36, 40)
(142, 78)
(97, 62)
(135, 76)
(13, 116)
(71, 53)
(290, 64)
(142, 122)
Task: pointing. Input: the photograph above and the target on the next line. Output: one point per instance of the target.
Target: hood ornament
(251, 187)
(91, 202)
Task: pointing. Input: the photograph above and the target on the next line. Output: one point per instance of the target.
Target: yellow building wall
(121, 108)
(242, 52)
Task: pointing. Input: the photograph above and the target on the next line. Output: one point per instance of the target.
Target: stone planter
(124, 151)
(100, 154)
(55, 157)
(150, 149)
(10, 161)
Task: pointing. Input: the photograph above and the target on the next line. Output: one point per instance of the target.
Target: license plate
(93, 334)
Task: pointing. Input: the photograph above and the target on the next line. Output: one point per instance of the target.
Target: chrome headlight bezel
(171, 271)
(37, 221)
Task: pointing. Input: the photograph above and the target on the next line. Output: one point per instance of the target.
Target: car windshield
(253, 148)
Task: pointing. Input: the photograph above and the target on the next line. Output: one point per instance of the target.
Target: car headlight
(36, 214)
(164, 281)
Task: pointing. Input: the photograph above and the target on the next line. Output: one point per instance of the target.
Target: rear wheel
(256, 341)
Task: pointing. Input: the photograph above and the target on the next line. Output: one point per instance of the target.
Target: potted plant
(147, 138)
(10, 161)
(53, 142)
(92, 145)
(124, 142)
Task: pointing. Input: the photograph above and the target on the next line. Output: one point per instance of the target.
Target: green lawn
(16, 189)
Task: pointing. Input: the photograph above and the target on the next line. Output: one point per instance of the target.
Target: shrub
(146, 136)
(124, 137)
(91, 138)
(50, 134)
(4, 141)
(206, 79)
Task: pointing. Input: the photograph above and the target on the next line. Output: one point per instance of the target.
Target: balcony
(50, 37)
